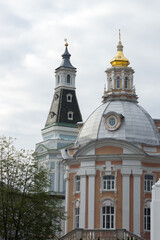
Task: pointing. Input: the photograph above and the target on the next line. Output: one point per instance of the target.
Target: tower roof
(119, 60)
(66, 58)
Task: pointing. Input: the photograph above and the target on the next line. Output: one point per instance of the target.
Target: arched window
(70, 115)
(110, 82)
(126, 82)
(69, 97)
(77, 183)
(77, 210)
(108, 182)
(108, 214)
(118, 82)
(68, 79)
(147, 216)
(148, 182)
(76, 214)
(58, 79)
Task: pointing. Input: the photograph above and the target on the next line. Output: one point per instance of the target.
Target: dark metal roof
(60, 107)
(66, 60)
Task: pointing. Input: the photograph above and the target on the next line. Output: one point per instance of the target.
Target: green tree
(27, 210)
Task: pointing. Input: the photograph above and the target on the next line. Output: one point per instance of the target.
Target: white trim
(136, 200)
(82, 219)
(122, 74)
(66, 176)
(155, 209)
(91, 201)
(125, 197)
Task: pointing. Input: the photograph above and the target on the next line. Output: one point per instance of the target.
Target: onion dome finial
(119, 60)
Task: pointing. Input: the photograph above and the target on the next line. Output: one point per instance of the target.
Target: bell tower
(61, 127)
(64, 111)
(120, 78)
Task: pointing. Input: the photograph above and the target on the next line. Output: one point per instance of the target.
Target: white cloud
(31, 44)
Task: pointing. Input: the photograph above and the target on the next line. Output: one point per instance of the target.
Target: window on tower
(126, 82)
(70, 115)
(110, 82)
(58, 79)
(118, 82)
(68, 79)
(108, 182)
(69, 97)
(148, 182)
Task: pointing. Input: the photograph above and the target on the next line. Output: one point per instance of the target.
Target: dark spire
(66, 58)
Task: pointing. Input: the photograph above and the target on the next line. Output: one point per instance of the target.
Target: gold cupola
(119, 60)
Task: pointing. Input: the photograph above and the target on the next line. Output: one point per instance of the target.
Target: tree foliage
(27, 210)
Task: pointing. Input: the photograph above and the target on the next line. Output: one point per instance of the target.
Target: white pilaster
(122, 74)
(136, 199)
(56, 176)
(91, 199)
(125, 195)
(113, 79)
(131, 80)
(66, 177)
(82, 219)
(155, 210)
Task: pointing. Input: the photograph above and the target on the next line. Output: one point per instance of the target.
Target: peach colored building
(115, 161)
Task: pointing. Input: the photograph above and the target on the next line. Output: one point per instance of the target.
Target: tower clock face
(112, 121)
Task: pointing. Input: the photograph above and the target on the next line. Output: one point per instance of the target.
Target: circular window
(112, 122)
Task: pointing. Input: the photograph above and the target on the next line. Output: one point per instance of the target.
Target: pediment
(109, 147)
(40, 149)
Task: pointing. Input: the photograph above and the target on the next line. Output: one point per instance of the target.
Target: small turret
(120, 78)
(65, 73)
(64, 110)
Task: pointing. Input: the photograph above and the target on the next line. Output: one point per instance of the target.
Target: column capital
(137, 172)
(126, 171)
(82, 172)
(91, 172)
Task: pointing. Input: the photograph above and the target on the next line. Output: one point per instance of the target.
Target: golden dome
(119, 60)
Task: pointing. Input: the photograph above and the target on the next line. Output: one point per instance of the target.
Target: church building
(115, 160)
(61, 126)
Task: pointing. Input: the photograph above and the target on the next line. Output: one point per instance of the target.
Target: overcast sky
(32, 36)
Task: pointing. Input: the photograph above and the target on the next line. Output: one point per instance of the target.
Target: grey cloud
(29, 55)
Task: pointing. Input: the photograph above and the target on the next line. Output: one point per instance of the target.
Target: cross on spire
(66, 43)
(119, 35)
